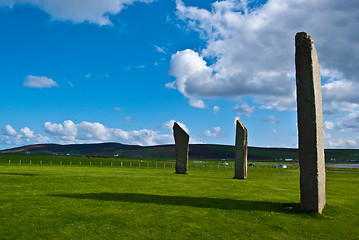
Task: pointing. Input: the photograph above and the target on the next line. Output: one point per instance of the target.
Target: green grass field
(146, 200)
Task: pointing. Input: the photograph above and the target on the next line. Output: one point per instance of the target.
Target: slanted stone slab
(310, 124)
(182, 148)
(240, 171)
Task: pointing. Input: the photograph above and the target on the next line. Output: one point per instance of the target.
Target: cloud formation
(86, 132)
(25, 135)
(251, 51)
(352, 142)
(215, 133)
(78, 11)
(216, 109)
(243, 109)
(169, 125)
(39, 82)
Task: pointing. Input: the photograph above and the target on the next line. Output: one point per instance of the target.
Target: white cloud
(351, 142)
(117, 109)
(171, 85)
(197, 103)
(341, 94)
(329, 125)
(215, 133)
(86, 132)
(252, 50)
(274, 130)
(88, 75)
(159, 49)
(98, 131)
(39, 82)
(67, 130)
(27, 132)
(216, 109)
(9, 130)
(78, 11)
(243, 109)
(169, 125)
(25, 136)
(351, 122)
(348, 122)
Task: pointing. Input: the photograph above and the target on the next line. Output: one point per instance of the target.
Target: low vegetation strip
(103, 202)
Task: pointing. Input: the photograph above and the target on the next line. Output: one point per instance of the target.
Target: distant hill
(196, 151)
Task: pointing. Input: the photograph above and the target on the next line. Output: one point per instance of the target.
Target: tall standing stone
(240, 171)
(182, 148)
(310, 125)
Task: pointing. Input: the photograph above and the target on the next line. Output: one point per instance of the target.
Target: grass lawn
(142, 201)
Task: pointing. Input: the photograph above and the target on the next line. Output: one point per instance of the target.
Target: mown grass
(139, 202)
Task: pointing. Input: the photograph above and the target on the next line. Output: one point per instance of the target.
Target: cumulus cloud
(351, 122)
(352, 142)
(10, 131)
(78, 11)
(169, 125)
(197, 103)
(27, 132)
(252, 50)
(243, 109)
(86, 132)
(25, 135)
(189, 68)
(67, 130)
(39, 82)
(215, 133)
(341, 94)
(329, 125)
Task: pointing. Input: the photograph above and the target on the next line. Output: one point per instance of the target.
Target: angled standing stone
(241, 152)
(182, 148)
(310, 125)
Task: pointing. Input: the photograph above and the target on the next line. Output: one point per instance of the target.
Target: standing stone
(310, 125)
(182, 148)
(240, 171)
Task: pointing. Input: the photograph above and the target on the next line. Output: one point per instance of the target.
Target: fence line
(207, 165)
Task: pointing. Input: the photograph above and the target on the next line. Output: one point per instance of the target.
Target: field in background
(196, 151)
(57, 198)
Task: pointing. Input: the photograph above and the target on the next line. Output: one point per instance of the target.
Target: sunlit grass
(139, 202)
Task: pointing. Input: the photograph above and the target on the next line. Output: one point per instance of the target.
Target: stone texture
(310, 124)
(240, 171)
(182, 148)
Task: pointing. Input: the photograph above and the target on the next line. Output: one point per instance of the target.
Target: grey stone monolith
(240, 170)
(310, 125)
(182, 148)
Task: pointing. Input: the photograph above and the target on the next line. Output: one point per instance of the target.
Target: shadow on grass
(19, 174)
(201, 202)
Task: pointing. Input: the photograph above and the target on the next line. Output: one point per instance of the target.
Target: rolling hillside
(197, 151)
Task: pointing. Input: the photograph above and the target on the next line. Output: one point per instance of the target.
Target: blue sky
(125, 70)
